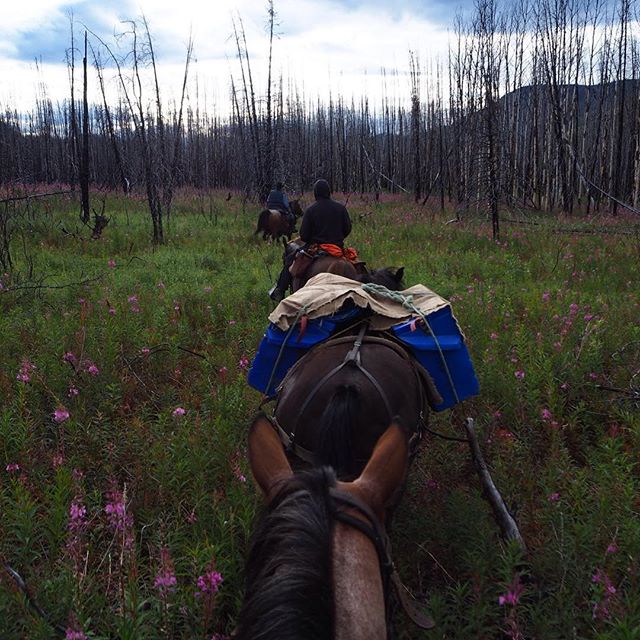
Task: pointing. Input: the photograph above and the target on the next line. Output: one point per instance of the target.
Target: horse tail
(262, 221)
(335, 437)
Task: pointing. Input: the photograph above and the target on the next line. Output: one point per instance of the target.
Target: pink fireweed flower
(165, 581)
(120, 520)
(243, 363)
(132, 299)
(77, 513)
(12, 467)
(493, 336)
(60, 415)
(209, 583)
(112, 311)
(90, 367)
(612, 548)
(519, 374)
(72, 634)
(57, 460)
(573, 308)
(554, 497)
(145, 351)
(546, 296)
(588, 317)
(70, 358)
(179, 411)
(160, 285)
(232, 322)
(546, 414)
(24, 373)
(73, 391)
(111, 264)
(512, 596)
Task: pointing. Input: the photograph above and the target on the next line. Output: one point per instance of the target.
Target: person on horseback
(279, 201)
(325, 223)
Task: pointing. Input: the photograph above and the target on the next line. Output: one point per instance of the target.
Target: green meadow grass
(100, 509)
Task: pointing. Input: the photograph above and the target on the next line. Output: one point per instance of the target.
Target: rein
(369, 524)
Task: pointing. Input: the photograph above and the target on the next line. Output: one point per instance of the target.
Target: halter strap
(374, 530)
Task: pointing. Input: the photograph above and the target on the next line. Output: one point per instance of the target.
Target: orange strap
(348, 253)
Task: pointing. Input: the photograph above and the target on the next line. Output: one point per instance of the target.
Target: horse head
(339, 590)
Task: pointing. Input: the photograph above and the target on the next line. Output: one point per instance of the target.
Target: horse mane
(289, 593)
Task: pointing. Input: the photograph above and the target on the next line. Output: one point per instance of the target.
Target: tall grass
(123, 486)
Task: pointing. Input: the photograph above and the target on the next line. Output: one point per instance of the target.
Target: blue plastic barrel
(280, 350)
(452, 355)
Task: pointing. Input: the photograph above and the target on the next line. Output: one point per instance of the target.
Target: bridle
(366, 521)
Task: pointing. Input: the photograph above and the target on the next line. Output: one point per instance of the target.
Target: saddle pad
(325, 293)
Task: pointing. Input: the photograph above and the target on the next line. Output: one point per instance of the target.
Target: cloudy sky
(322, 45)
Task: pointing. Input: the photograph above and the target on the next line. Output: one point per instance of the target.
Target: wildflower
(111, 264)
(160, 285)
(243, 363)
(132, 299)
(26, 368)
(12, 467)
(178, 411)
(70, 358)
(112, 311)
(554, 497)
(120, 520)
(209, 583)
(73, 391)
(593, 376)
(512, 596)
(81, 300)
(612, 548)
(145, 350)
(573, 308)
(546, 414)
(493, 336)
(176, 306)
(165, 581)
(545, 296)
(208, 289)
(588, 317)
(519, 374)
(192, 517)
(60, 415)
(232, 322)
(77, 513)
(72, 634)
(57, 460)
(91, 368)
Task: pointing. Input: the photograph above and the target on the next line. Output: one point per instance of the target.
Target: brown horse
(317, 568)
(338, 399)
(387, 276)
(275, 224)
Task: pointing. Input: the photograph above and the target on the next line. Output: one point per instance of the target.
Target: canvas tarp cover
(325, 294)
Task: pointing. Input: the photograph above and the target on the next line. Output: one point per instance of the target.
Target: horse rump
(263, 218)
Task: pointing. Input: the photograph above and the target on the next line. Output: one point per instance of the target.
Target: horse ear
(267, 460)
(400, 274)
(386, 469)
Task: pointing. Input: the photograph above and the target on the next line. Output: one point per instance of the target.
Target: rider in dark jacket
(278, 199)
(325, 222)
